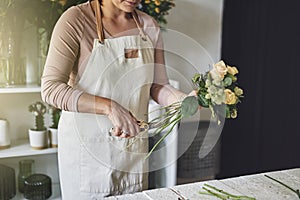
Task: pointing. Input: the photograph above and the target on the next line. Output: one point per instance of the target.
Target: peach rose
(232, 70)
(230, 97)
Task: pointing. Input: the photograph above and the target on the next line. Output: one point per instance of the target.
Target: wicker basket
(189, 165)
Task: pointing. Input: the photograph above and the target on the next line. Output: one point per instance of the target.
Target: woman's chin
(128, 6)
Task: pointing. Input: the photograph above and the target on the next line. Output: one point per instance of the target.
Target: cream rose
(230, 97)
(238, 91)
(219, 70)
(232, 70)
(207, 96)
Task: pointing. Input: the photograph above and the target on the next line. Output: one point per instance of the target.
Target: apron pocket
(131, 53)
(113, 165)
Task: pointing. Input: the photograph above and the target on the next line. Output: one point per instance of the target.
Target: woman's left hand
(193, 93)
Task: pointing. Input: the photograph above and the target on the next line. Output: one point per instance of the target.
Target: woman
(105, 61)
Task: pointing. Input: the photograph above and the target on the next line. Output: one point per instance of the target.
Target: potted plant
(55, 116)
(38, 136)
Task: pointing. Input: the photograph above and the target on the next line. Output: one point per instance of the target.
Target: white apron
(93, 164)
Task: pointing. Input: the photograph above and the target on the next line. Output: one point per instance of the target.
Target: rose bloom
(217, 99)
(238, 91)
(230, 97)
(207, 83)
(219, 70)
(232, 70)
(207, 96)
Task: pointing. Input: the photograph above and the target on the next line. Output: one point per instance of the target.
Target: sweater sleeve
(161, 91)
(62, 58)
(153, 30)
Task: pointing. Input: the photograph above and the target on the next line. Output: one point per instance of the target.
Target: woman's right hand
(125, 124)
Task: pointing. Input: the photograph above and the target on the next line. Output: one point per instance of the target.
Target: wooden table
(257, 186)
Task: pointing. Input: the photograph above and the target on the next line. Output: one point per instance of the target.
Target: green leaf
(189, 106)
(227, 111)
(227, 81)
(196, 78)
(233, 78)
(202, 101)
(202, 84)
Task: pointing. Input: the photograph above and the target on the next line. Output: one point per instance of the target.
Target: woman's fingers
(115, 131)
(125, 123)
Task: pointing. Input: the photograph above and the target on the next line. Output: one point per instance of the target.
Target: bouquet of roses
(217, 89)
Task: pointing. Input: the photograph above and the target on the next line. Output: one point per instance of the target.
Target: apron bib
(92, 163)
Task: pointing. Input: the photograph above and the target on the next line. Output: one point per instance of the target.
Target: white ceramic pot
(4, 134)
(53, 137)
(38, 139)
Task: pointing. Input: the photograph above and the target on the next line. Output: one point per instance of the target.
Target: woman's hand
(125, 124)
(193, 93)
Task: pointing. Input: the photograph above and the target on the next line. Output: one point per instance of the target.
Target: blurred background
(261, 37)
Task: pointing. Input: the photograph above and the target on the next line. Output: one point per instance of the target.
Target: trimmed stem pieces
(285, 185)
(221, 194)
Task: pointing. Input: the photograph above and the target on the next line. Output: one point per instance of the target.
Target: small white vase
(38, 139)
(53, 137)
(4, 134)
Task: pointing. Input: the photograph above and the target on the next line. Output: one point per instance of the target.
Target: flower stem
(166, 123)
(211, 190)
(163, 118)
(162, 127)
(166, 115)
(174, 123)
(171, 107)
(285, 185)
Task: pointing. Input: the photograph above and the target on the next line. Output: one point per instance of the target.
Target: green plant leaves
(196, 78)
(189, 106)
(227, 81)
(203, 101)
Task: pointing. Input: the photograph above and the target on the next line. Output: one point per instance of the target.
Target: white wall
(200, 20)
(193, 40)
(14, 108)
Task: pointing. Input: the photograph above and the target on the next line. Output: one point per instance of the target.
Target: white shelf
(20, 89)
(22, 148)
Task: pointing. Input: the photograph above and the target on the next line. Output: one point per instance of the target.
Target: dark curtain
(262, 38)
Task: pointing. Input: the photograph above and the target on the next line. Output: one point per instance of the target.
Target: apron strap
(135, 18)
(100, 29)
(99, 23)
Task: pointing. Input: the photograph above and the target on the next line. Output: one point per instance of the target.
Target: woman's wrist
(103, 105)
(94, 104)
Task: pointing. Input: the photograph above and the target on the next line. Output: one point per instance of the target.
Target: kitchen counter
(257, 185)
